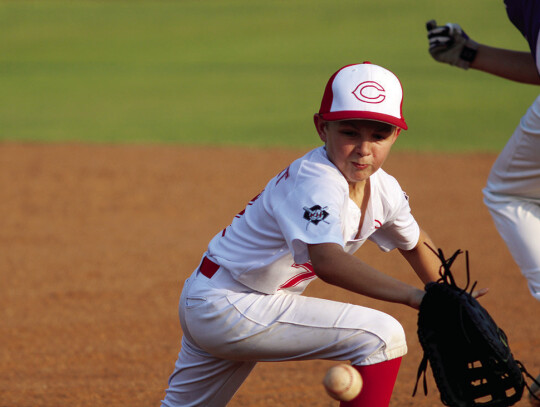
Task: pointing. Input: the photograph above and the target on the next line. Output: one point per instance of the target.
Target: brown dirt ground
(95, 242)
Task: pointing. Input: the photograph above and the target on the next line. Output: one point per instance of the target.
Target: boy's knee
(386, 342)
(395, 342)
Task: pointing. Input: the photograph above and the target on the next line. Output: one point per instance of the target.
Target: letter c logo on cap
(369, 92)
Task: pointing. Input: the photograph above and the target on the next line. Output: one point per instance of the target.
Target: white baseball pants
(512, 195)
(227, 328)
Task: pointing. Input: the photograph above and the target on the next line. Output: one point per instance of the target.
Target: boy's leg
(256, 327)
(200, 379)
(518, 223)
(536, 391)
(512, 194)
(252, 326)
(378, 384)
(293, 327)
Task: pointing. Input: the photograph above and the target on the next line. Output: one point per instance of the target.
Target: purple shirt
(525, 15)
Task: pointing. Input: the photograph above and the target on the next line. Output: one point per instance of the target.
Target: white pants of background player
(227, 328)
(512, 195)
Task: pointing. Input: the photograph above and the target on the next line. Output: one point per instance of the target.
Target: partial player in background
(512, 193)
(242, 304)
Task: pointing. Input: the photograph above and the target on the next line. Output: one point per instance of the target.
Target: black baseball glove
(469, 354)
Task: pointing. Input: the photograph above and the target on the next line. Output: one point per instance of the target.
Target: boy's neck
(359, 192)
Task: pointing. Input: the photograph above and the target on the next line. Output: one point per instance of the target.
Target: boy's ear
(321, 126)
(396, 134)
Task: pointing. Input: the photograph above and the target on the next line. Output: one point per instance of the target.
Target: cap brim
(357, 115)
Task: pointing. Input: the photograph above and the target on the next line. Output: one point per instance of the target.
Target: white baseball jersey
(265, 247)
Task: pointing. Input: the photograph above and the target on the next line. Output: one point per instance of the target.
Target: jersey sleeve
(400, 230)
(525, 15)
(311, 214)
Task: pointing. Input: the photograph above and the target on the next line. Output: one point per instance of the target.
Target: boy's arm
(450, 44)
(425, 263)
(335, 266)
(517, 66)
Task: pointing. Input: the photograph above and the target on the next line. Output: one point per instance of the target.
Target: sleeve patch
(315, 214)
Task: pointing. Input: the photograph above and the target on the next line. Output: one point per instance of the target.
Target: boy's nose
(363, 148)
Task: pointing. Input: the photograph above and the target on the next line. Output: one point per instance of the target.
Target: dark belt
(208, 268)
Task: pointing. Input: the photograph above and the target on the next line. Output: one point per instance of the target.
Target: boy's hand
(450, 44)
(479, 293)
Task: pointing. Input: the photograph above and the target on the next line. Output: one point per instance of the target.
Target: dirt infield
(95, 242)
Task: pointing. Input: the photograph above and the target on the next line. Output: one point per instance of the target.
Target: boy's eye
(381, 136)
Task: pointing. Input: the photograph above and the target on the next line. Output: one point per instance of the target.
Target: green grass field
(248, 72)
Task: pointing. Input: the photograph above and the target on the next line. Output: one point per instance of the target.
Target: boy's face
(357, 148)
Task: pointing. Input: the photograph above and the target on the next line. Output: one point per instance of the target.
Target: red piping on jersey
(297, 279)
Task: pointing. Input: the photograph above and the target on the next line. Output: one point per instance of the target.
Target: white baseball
(343, 382)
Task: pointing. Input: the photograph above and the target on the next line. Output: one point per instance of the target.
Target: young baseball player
(512, 193)
(243, 303)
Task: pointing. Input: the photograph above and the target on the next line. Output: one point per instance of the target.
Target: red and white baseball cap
(364, 91)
